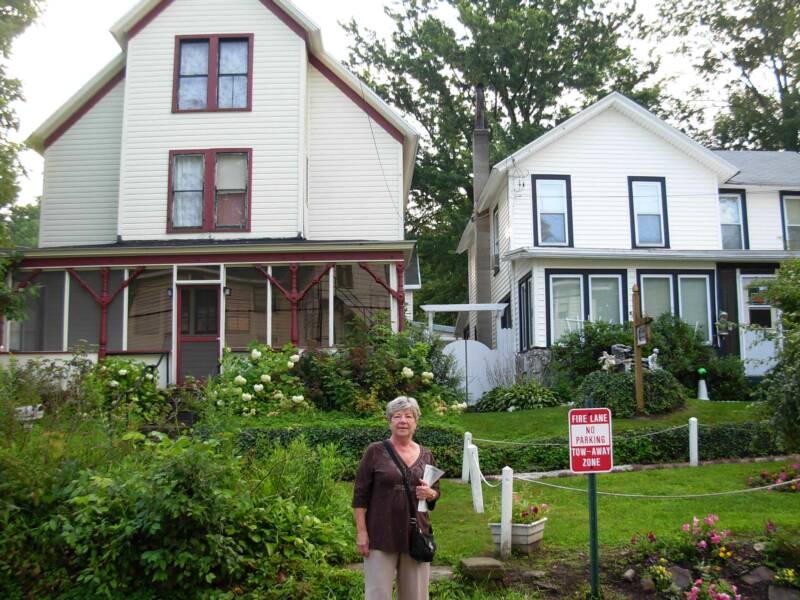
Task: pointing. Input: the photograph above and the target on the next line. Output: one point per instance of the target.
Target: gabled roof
(145, 11)
(723, 168)
(763, 167)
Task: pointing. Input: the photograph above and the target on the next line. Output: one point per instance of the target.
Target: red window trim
(213, 67)
(209, 156)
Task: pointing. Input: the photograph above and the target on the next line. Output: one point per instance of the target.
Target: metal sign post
(591, 451)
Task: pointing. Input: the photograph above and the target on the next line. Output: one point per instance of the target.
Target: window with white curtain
(525, 313)
(648, 212)
(566, 304)
(496, 238)
(606, 298)
(731, 217)
(219, 202)
(656, 295)
(213, 73)
(695, 303)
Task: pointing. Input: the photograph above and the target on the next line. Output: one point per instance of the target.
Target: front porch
(182, 310)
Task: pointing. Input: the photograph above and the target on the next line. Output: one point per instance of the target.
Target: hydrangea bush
(261, 381)
(129, 386)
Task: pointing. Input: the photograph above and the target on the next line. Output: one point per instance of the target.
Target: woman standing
(381, 509)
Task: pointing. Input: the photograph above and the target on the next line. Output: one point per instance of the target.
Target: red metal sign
(590, 444)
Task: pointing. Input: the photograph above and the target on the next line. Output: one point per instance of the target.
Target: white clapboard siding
(599, 156)
(501, 279)
(354, 169)
(538, 268)
(81, 178)
(764, 220)
(273, 129)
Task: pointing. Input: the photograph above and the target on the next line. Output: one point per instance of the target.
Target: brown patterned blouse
(379, 488)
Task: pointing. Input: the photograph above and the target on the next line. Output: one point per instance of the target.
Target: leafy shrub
(328, 380)
(682, 349)
(617, 391)
(129, 387)
(726, 379)
(520, 396)
(783, 547)
(575, 354)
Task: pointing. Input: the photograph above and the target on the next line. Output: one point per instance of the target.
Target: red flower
(651, 536)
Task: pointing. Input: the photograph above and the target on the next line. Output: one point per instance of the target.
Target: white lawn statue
(28, 414)
(607, 361)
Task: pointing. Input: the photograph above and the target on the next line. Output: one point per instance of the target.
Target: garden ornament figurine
(607, 361)
(652, 360)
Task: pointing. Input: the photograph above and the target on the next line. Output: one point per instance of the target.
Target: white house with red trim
(564, 227)
(223, 180)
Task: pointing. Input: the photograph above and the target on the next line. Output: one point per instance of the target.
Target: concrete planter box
(524, 537)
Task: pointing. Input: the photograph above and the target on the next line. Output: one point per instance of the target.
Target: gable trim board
(742, 193)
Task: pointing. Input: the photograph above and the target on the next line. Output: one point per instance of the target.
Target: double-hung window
(693, 302)
(525, 297)
(213, 72)
(648, 209)
(209, 190)
(790, 211)
(552, 210)
(733, 219)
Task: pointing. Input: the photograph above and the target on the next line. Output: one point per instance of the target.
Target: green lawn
(460, 532)
(552, 422)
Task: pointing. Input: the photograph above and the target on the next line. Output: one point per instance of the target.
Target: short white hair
(403, 403)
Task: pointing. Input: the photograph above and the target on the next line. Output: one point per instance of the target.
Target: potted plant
(527, 525)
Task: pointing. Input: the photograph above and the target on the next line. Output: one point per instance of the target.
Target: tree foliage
(15, 16)
(20, 228)
(751, 49)
(539, 60)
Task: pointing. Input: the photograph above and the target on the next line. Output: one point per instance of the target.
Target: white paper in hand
(430, 476)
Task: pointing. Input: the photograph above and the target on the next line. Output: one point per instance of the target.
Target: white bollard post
(465, 458)
(505, 512)
(693, 445)
(475, 479)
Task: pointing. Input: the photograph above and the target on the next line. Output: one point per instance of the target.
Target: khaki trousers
(379, 573)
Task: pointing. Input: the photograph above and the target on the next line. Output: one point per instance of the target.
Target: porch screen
(245, 307)
(43, 330)
(150, 311)
(84, 312)
(312, 312)
(357, 297)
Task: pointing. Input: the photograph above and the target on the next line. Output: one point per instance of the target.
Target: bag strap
(404, 471)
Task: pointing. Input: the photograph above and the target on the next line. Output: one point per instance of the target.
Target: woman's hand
(362, 542)
(426, 492)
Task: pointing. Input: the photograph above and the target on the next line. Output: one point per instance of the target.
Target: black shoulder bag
(421, 546)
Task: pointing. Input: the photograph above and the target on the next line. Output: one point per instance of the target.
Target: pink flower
(633, 540)
(711, 519)
(723, 596)
(686, 527)
(545, 506)
(702, 544)
(695, 521)
(535, 509)
(651, 536)
(715, 539)
(525, 513)
(698, 582)
(770, 526)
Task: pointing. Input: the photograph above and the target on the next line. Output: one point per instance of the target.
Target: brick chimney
(483, 320)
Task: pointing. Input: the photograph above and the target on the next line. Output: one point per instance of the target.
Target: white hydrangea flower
(247, 397)
(289, 365)
(265, 378)
(407, 373)
(255, 354)
(237, 390)
(294, 358)
(239, 380)
(258, 388)
(123, 372)
(297, 399)
(427, 376)
(149, 376)
(220, 402)
(253, 412)
(113, 383)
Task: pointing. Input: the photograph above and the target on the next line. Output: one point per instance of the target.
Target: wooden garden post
(637, 350)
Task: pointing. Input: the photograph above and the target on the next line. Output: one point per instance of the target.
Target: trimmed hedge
(617, 391)
(715, 441)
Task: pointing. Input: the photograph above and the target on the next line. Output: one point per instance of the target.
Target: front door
(198, 327)
(758, 351)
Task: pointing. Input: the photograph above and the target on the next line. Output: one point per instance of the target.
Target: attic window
(213, 73)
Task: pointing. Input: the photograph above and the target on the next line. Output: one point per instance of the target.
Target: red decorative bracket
(397, 294)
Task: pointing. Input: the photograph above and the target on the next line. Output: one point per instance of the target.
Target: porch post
(295, 335)
(101, 351)
(401, 297)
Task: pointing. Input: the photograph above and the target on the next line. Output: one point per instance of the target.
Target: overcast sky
(71, 42)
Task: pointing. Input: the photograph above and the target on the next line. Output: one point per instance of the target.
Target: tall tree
(15, 16)
(540, 60)
(750, 49)
(20, 227)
